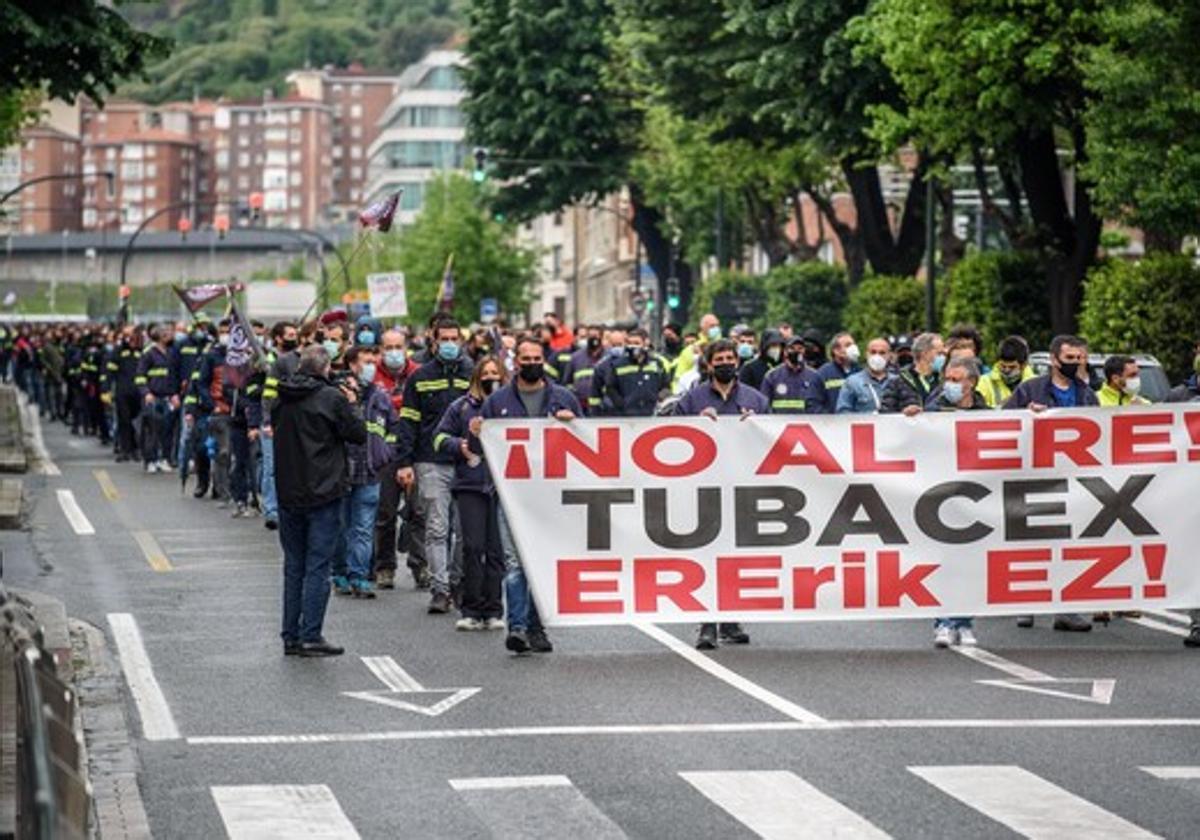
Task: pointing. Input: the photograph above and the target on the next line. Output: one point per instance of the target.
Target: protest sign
(388, 295)
(791, 518)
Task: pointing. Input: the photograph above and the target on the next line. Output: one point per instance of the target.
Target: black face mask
(489, 385)
(724, 373)
(288, 345)
(593, 343)
(672, 344)
(795, 358)
(1069, 369)
(532, 373)
(812, 356)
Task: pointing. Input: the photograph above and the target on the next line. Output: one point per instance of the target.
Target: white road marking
(282, 812)
(716, 669)
(1150, 623)
(779, 805)
(401, 686)
(389, 672)
(1027, 803)
(1170, 615)
(1035, 682)
(1173, 772)
(45, 466)
(74, 513)
(519, 807)
(506, 782)
(692, 729)
(992, 660)
(158, 724)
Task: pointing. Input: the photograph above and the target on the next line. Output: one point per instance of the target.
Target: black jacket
(427, 395)
(906, 388)
(313, 422)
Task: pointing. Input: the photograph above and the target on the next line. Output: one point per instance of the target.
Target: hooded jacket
(755, 371)
(313, 422)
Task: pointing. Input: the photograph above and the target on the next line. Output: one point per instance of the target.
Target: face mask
(288, 345)
(489, 385)
(180, 337)
(532, 373)
(583, 343)
(108, 347)
(812, 356)
(774, 354)
(939, 362)
(1069, 369)
(333, 348)
(592, 343)
(638, 354)
(877, 363)
(724, 373)
(1010, 378)
(672, 344)
(198, 335)
(223, 340)
(1133, 386)
(953, 392)
(745, 351)
(714, 333)
(367, 337)
(367, 375)
(616, 353)
(794, 358)
(448, 351)
(853, 354)
(394, 359)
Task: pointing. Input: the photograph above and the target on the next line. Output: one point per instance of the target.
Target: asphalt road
(814, 730)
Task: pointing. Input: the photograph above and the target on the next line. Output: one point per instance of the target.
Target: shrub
(734, 298)
(808, 295)
(1001, 293)
(885, 306)
(1145, 307)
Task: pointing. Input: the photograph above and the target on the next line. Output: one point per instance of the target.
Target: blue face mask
(109, 347)
(615, 353)
(939, 362)
(448, 351)
(367, 375)
(954, 392)
(180, 337)
(745, 351)
(714, 333)
(367, 338)
(394, 359)
(332, 347)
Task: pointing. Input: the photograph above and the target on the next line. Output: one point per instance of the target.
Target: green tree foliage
(64, 49)
(725, 289)
(455, 220)
(808, 295)
(882, 305)
(1002, 294)
(1143, 148)
(1145, 307)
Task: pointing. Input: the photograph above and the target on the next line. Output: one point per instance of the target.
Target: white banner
(388, 295)
(794, 518)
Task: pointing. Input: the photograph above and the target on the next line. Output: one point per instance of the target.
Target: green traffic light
(479, 176)
(673, 301)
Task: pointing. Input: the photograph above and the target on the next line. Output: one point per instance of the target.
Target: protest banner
(794, 518)
(388, 295)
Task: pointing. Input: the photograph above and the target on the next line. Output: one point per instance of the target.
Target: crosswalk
(769, 804)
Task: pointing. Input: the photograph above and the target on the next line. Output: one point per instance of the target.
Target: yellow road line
(110, 490)
(154, 554)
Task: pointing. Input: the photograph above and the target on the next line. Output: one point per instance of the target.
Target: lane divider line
(152, 551)
(106, 485)
(74, 513)
(158, 724)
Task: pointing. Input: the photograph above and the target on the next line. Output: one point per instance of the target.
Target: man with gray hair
(908, 391)
(313, 422)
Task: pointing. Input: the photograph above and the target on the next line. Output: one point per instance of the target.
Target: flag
(380, 214)
(244, 351)
(446, 294)
(198, 297)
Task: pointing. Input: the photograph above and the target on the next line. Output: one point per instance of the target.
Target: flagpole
(362, 241)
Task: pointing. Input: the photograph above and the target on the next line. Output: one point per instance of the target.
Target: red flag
(198, 297)
(380, 214)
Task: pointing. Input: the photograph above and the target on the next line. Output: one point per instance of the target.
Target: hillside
(236, 48)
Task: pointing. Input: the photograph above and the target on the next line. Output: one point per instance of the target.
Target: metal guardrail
(52, 796)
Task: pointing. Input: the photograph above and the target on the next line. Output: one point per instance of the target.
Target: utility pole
(930, 255)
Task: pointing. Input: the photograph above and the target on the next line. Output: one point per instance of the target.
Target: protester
(1011, 369)
(157, 381)
(689, 358)
(863, 391)
(634, 386)
(794, 387)
(908, 391)
(1122, 383)
(390, 377)
(842, 364)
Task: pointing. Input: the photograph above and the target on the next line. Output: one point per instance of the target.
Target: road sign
(387, 293)
(637, 302)
(489, 309)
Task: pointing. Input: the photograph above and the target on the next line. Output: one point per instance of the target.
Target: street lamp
(66, 176)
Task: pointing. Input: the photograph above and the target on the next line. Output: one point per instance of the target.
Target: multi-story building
(49, 206)
(422, 132)
(358, 99)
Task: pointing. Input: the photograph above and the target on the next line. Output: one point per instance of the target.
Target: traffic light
(673, 292)
(480, 173)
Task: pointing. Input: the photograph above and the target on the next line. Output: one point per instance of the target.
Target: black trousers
(482, 555)
(397, 513)
(127, 406)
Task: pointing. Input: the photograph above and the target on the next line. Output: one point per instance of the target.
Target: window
(294, 157)
(222, 159)
(294, 115)
(337, 152)
(110, 153)
(243, 118)
(337, 90)
(243, 159)
(556, 260)
(151, 192)
(243, 140)
(294, 135)
(132, 151)
(294, 220)
(89, 217)
(131, 171)
(356, 111)
(275, 200)
(356, 131)
(151, 170)
(151, 150)
(441, 78)
(222, 185)
(277, 157)
(294, 201)
(276, 135)
(558, 219)
(274, 178)
(434, 154)
(294, 178)
(355, 172)
(430, 116)
(243, 182)
(29, 165)
(356, 89)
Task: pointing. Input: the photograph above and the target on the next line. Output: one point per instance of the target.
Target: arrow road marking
(1028, 679)
(401, 684)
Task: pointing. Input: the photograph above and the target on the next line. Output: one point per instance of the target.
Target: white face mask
(877, 363)
(853, 354)
(1133, 386)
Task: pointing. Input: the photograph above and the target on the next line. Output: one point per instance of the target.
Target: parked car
(1155, 384)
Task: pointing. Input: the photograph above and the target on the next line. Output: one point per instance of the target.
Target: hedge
(808, 295)
(1002, 294)
(885, 306)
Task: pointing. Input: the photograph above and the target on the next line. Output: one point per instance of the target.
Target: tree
(885, 306)
(1001, 294)
(455, 220)
(995, 77)
(64, 50)
(807, 295)
(1143, 152)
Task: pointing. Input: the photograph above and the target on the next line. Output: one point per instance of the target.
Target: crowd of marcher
(360, 443)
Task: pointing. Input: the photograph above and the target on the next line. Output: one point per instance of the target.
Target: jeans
(219, 430)
(522, 611)
(433, 495)
(358, 523)
(241, 469)
(482, 555)
(270, 500)
(954, 623)
(307, 536)
(157, 421)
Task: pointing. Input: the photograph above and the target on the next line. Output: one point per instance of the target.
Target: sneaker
(321, 648)
(164, 466)
(240, 511)
(291, 648)
(422, 579)
(271, 524)
(151, 468)
(385, 579)
(966, 637)
(539, 642)
(1025, 621)
(943, 636)
(733, 634)
(341, 585)
(362, 589)
(468, 624)
(1072, 623)
(1192, 639)
(439, 604)
(707, 640)
(517, 641)
(494, 624)
(200, 492)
